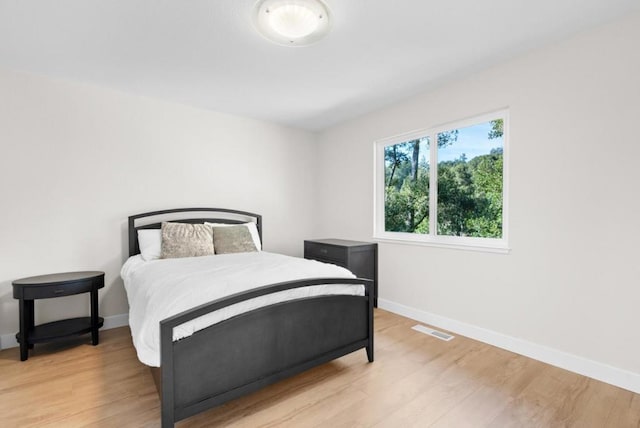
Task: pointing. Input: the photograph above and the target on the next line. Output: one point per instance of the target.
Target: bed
(243, 352)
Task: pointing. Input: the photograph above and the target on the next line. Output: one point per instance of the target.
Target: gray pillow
(186, 240)
(233, 239)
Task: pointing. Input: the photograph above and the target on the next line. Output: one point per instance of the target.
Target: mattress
(159, 289)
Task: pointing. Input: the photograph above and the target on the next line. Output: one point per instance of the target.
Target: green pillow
(233, 239)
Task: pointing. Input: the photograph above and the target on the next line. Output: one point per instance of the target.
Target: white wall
(572, 280)
(76, 160)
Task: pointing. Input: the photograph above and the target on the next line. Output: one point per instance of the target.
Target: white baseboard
(9, 340)
(115, 321)
(593, 369)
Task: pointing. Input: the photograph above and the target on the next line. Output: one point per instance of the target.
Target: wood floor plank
(416, 380)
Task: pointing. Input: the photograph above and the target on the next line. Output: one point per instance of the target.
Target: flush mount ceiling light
(292, 22)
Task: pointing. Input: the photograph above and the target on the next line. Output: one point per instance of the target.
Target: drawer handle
(323, 251)
(58, 291)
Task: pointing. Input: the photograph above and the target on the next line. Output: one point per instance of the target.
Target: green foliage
(469, 192)
(497, 129)
(407, 190)
(407, 208)
(447, 138)
(470, 196)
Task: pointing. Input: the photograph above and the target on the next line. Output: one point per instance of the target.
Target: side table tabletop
(26, 290)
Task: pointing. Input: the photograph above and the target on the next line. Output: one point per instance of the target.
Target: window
(445, 186)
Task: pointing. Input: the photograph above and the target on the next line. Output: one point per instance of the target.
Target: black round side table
(26, 290)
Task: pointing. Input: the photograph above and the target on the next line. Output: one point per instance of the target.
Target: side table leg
(31, 317)
(94, 317)
(24, 329)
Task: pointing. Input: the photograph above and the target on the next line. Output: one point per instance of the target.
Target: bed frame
(249, 351)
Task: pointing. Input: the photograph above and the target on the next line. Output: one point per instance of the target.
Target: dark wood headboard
(151, 220)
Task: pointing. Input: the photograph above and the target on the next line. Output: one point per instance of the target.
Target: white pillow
(253, 230)
(150, 243)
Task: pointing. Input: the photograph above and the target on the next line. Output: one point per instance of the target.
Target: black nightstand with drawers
(361, 258)
(26, 290)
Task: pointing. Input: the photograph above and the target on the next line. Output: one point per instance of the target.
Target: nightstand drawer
(56, 290)
(313, 250)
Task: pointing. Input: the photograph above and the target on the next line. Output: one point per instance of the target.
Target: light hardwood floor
(416, 380)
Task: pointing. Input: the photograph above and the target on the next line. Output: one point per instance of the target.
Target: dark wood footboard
(257, 348)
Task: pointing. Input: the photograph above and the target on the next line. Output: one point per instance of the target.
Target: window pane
(470, 169)
(406, 197)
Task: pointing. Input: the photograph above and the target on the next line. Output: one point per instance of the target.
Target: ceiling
(205, 53)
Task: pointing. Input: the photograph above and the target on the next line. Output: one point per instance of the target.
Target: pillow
(150, 243)
(253, 229)
(186, 240)
(233, 239)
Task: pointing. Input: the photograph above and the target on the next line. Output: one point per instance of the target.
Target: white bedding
(158, 289)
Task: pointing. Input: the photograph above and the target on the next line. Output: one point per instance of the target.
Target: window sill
(484, 248)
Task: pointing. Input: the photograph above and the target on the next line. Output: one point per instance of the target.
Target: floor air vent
(435, 333)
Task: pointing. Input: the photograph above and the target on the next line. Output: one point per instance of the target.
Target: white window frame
(496, 245)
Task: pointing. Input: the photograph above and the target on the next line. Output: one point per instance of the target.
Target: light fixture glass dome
(292, 22)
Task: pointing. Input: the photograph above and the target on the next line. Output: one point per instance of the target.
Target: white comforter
(159, 289)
